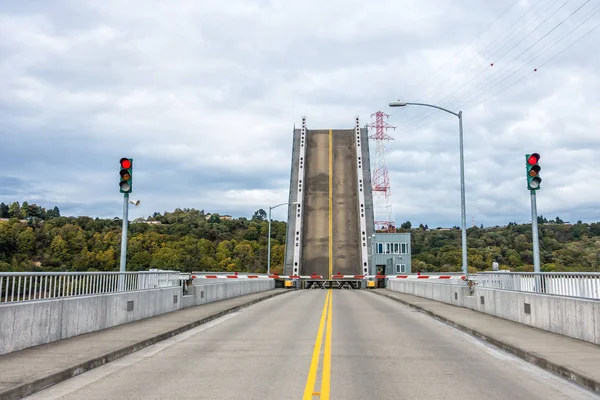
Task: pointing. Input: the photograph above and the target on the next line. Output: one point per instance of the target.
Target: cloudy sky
(204, 96)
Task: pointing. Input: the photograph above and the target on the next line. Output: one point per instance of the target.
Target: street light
(269, 240)
(462, 176)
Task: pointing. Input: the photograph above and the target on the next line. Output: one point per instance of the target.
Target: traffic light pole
(122, 267)
(534, 232)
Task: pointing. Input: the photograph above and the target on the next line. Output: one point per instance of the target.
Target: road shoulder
(570, 358)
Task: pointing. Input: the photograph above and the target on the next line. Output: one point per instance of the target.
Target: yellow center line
(314, 364)
(330, 203)
(326, 315)
(326, 375)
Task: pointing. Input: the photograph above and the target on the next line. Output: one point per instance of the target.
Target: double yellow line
(326, 315)
(309, 390)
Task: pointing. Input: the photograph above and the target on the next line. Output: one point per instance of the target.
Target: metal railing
(27, 286)
(572, 284)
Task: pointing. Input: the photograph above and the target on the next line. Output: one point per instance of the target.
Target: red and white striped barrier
(431, 277)
(231, 276)
(337, 276)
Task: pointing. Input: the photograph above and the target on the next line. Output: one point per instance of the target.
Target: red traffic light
(533, 159)
(125, 163)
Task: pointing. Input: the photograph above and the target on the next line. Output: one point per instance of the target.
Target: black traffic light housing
(126, 183)
(533, 171)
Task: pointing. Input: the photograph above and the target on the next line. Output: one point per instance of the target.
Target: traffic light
(533, 171)
(125, 185)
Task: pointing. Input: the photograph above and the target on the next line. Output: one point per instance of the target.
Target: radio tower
(384, 215)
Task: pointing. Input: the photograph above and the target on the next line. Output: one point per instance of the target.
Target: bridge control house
(390, 253)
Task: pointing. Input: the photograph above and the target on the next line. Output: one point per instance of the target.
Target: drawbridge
(330, 219)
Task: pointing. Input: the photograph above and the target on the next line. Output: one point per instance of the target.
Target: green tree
(260, 215)
(4, 210)
(59, 249)
(26, 242)
(15, 211)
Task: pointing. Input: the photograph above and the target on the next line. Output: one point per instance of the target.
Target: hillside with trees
(35, 239)
(563, 247)
(185, 239)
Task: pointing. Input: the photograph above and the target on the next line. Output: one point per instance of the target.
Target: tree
(3, 210)
(251, 233)
(14, 210)
(405, 225)
(26, 242)
(25, 209)
(260, 215)
(54, 213)
(58, 249)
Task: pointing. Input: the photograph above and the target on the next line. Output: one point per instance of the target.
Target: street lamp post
(269, 240)
(462, 176)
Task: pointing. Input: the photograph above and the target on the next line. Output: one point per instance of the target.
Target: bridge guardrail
(572, 284)
(26, 286)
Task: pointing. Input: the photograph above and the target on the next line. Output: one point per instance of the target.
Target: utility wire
(485, 51)
(503, 78)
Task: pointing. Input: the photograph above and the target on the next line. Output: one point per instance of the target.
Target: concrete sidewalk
(30, 370)
(573, 359)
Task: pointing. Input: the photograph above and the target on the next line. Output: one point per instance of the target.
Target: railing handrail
(35, 286)
(90, 273)
(539, 273)
(582, 285)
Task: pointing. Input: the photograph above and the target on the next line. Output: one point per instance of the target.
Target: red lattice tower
(384, 215)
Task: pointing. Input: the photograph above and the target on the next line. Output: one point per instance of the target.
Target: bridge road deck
(331, 236)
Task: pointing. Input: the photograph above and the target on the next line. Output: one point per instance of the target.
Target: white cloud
(204, 95)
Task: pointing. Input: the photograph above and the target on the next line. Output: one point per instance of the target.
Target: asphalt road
(315, 251)
(378, 349)
(331, 156)
(346, 228)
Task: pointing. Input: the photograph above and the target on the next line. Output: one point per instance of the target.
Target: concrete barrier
(572, 317)
(445, 293)
(207, 291)
(32, 323)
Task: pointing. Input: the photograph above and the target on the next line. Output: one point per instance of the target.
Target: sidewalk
(30, 370)
(573, 359)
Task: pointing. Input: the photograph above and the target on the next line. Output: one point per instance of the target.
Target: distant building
(21, 220)
(222, 217)
(391, 253)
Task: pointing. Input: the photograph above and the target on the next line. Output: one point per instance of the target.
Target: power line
(483, 82)
(503, 78)
(536, 69)
(472, 41)
(494, 84)
(546, 62)
(483, 53)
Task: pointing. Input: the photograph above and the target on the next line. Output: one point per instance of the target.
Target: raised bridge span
(330, 220)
